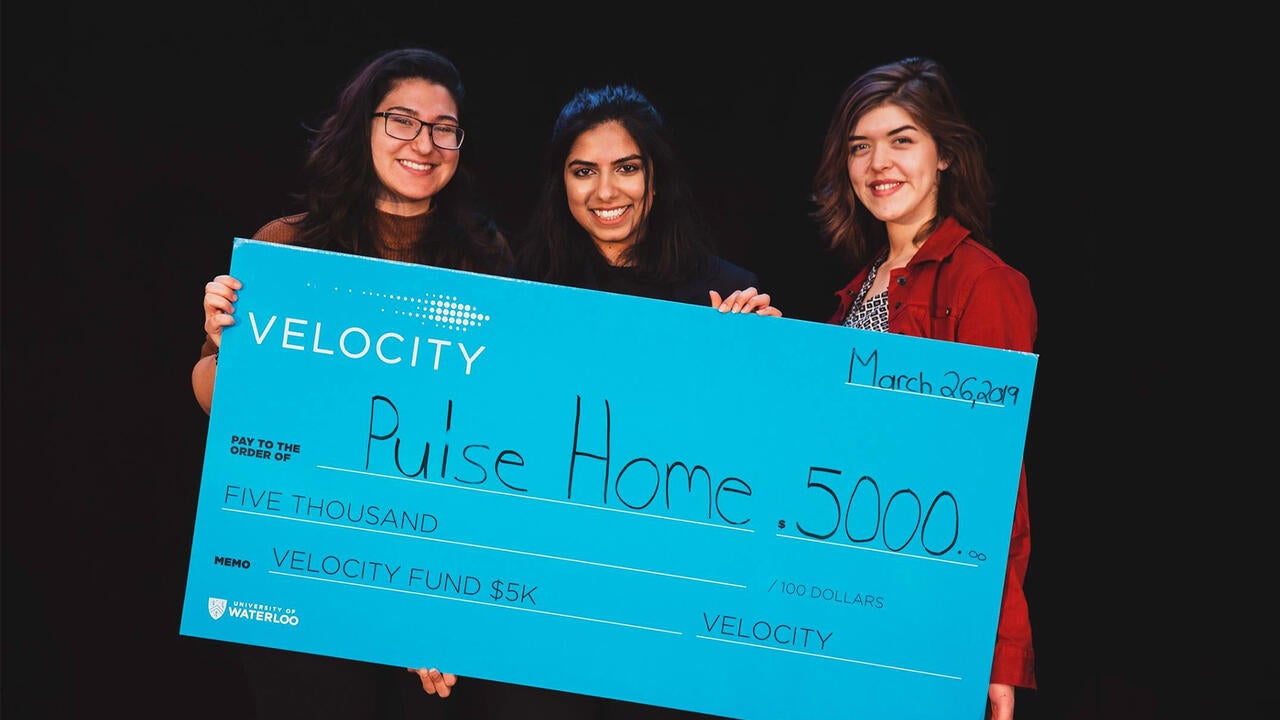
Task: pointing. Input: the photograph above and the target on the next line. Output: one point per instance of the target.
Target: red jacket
(956, 289)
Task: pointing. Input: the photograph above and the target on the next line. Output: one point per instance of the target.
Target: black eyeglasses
(407, 127)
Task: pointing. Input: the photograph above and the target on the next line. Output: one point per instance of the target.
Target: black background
(137, 143)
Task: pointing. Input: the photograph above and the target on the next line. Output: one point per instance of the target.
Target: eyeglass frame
(431, 129)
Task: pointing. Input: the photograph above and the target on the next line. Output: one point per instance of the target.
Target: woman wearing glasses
(383, 180)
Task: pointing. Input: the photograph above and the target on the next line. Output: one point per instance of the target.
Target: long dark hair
(674, 239)
(342, 185)
(921, 87)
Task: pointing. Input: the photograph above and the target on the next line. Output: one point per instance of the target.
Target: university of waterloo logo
(217, 606)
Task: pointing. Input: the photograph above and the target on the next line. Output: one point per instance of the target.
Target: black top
(722, 276)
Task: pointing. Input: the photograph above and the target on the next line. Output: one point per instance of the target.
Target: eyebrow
(414, 113)
(891, 133)
(635, 157)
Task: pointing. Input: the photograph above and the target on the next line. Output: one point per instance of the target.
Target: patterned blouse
(874, 313)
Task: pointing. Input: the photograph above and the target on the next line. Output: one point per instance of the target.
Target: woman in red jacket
(902, 189)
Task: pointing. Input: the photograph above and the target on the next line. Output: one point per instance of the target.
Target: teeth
(609, 214)
(883, 186)
(415, 166)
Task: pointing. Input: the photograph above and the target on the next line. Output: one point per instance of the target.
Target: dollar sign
(782, 524)
(497, 589)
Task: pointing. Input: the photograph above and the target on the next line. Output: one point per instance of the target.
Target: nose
(605, 189)
(880, 156)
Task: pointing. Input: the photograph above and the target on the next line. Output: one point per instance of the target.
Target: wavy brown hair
(922, 88)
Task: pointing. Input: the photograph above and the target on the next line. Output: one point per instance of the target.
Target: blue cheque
(740, 515)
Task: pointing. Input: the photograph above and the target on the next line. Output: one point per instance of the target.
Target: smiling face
(604, 180)
(413, 171)
(894, 166)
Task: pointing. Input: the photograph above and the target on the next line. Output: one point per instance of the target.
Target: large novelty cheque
(747, 516)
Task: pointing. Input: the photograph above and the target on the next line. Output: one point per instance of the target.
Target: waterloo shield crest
(217, 606)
